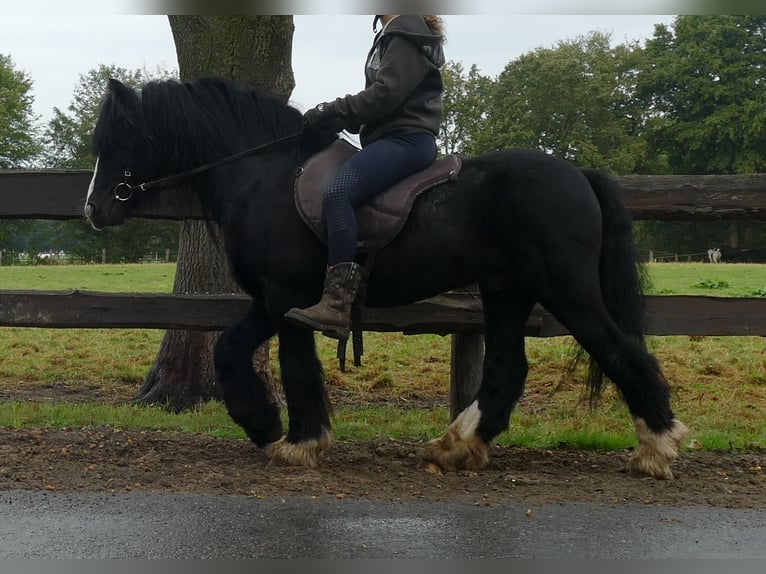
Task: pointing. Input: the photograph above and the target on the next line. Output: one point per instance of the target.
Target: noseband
(123, 191)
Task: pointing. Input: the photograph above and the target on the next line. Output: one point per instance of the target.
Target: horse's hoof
(451, 453)
(459, 448)
(306, 453)
(656, 451)
(643, 468)
(431, 468)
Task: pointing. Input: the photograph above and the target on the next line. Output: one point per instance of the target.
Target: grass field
(154, 277)
(719, 383)
(725, 280)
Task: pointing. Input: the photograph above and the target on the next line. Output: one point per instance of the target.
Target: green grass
(210, 418)
(365, 423)
(149, 278)
(721, 280)
(719, 383)
(69, 356)
(602, 431)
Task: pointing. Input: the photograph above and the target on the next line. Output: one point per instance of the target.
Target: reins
(177, 178)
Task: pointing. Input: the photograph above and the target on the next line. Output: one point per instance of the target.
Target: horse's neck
(193, 147)
(264, 179)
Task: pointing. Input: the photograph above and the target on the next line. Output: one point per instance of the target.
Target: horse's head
(120, 144)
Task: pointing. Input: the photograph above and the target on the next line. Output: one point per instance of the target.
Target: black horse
(525, 226)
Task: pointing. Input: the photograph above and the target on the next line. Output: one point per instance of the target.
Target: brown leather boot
(332, 315)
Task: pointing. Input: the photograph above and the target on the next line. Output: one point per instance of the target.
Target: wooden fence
(60, 194)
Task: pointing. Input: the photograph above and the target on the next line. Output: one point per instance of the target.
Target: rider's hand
(322, 115)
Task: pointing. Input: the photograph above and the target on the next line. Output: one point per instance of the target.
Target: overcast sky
(328, 50)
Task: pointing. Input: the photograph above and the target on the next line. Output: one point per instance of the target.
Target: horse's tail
(622, 276)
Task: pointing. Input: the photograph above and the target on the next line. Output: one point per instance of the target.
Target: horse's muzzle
(90, 213)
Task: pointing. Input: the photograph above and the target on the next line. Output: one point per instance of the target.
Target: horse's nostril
(89, 210)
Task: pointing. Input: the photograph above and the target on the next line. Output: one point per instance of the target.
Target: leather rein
(123, 191)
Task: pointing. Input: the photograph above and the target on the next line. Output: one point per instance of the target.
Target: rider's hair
(435, 23)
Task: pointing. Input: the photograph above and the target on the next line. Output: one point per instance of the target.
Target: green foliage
(691, 100)
(703, 84)
(464, 108)
(15, 237)
(572, 100)
(18, 135)
(695, 237)
(713, 284)
(128, 243)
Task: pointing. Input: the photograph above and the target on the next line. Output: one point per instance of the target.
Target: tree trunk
(733, 235)
(254, 51)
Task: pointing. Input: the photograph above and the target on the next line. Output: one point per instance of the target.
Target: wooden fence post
(465, 371)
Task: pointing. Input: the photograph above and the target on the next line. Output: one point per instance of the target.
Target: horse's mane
(187, 122)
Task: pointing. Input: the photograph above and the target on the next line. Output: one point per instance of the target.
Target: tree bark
(254, 51)
(733, 235)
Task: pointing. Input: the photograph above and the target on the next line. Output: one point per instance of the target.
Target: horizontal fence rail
(60, 194)
(446, 314)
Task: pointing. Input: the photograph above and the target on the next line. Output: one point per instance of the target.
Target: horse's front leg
(248, 397)
(308, 406)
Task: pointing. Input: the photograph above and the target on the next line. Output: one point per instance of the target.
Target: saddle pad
(381, 218)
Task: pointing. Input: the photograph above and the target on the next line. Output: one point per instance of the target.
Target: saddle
(381, 218)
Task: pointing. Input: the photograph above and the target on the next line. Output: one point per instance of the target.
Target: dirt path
(110, 460)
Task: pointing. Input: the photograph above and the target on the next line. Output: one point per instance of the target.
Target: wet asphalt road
(135, 525)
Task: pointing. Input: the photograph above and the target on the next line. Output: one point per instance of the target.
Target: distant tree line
(690, 100)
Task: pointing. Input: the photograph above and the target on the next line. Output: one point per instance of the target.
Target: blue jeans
(368, 172)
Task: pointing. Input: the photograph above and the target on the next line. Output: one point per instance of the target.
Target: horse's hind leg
(637, 375)
(247, 397)
(466, 442)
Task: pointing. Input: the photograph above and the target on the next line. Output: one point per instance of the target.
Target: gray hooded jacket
(403, 84)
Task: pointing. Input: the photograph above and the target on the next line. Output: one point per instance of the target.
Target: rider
(397, 116)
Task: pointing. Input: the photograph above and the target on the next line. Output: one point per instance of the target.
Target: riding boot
(332, 315)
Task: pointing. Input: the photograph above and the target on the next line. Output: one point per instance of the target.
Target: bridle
(125, 185)
(123, 191)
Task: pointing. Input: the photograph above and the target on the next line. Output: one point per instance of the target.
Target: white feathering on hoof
(656, 451)
(304, 453)
(460, 448)
(467, 422)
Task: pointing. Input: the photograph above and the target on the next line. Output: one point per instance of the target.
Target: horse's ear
(116, 87)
